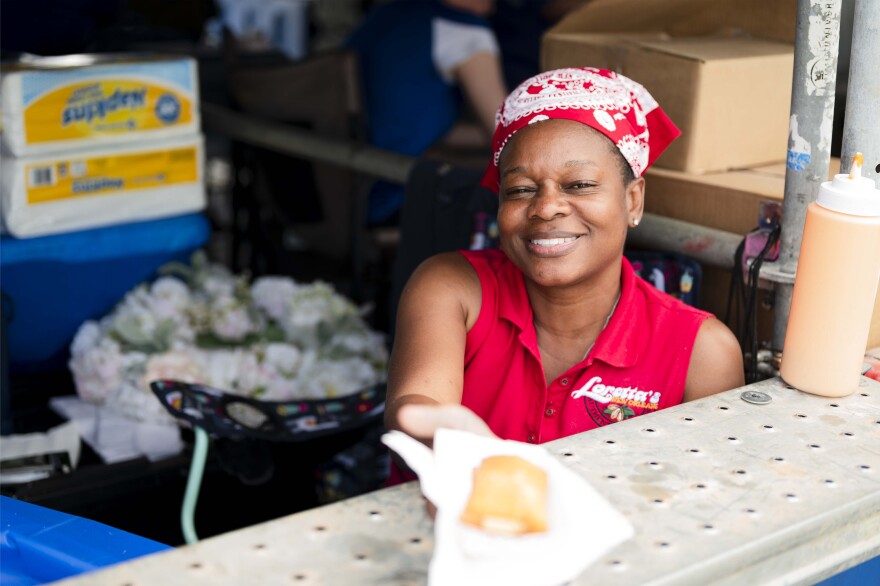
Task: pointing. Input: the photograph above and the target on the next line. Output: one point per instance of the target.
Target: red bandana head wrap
(614, 105)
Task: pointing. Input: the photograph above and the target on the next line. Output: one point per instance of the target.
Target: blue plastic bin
(57, 282)
(865, 574)
(39, 545)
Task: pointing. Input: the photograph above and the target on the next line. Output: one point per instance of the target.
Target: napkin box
(88, 188)
(52, 104)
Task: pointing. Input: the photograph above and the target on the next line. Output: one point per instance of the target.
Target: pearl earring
(635, 222)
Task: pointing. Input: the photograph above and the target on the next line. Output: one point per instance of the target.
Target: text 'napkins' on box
(56, 104)
(98, 187)
(729, 96)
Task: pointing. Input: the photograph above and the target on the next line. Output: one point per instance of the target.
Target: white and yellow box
(95, 187)
(51, 104)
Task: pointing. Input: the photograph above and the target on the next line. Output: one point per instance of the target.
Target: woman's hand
(422, 421)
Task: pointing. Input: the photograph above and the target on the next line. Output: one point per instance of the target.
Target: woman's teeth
(553, 241)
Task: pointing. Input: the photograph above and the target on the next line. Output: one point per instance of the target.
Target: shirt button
(531, 438)
(564, 382)
(550, 412)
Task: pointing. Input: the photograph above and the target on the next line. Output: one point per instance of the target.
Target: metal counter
(720, 491)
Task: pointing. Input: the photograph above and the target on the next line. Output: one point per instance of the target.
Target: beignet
(509, 496)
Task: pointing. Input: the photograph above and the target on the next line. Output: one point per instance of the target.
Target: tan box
(723, 75)
(764, 19)
(726, 201)
(707, 86)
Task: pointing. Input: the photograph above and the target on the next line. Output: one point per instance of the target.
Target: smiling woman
(554, 334)
(562, 218)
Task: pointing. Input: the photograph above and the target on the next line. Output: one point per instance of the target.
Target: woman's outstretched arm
(439, 304)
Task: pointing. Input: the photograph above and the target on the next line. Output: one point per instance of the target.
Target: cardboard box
(723, 75)
(764, 19)
(726, 201)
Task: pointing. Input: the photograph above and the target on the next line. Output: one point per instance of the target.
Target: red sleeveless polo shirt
(638, 364)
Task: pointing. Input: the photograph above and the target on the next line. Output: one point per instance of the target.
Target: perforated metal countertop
(720, 491)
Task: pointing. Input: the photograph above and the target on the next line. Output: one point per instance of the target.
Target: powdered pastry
(509, 496)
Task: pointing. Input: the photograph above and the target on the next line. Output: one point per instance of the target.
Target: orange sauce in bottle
(835, 286)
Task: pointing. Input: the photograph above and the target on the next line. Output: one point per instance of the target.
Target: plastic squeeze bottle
(834, 288)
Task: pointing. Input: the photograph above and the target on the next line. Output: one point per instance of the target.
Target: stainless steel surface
(860, 129)
(781, 302)
(809, 141)
(720, 491)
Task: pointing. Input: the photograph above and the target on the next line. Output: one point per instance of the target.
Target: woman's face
(563, 208)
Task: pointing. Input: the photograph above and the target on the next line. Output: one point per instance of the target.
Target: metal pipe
(303, 144)
(861, 129)
(809, 140)
(707, 245)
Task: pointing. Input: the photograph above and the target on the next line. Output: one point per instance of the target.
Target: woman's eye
(518, 192)
(582, 185)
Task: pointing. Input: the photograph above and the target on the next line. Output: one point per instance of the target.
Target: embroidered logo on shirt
(622, 402)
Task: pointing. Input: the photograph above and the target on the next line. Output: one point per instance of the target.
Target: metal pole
(861, 129)
(809, 140)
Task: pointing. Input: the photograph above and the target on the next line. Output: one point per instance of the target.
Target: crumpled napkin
(582, 525)
(117, 438)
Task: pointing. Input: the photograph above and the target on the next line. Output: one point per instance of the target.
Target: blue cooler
(39, 545)
(52, 284)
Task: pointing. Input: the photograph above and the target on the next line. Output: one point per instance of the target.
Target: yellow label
(72, 178)
(102, 108)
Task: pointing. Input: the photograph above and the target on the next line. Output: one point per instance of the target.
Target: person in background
(519, 26)
(419, 60)
(553, 334)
